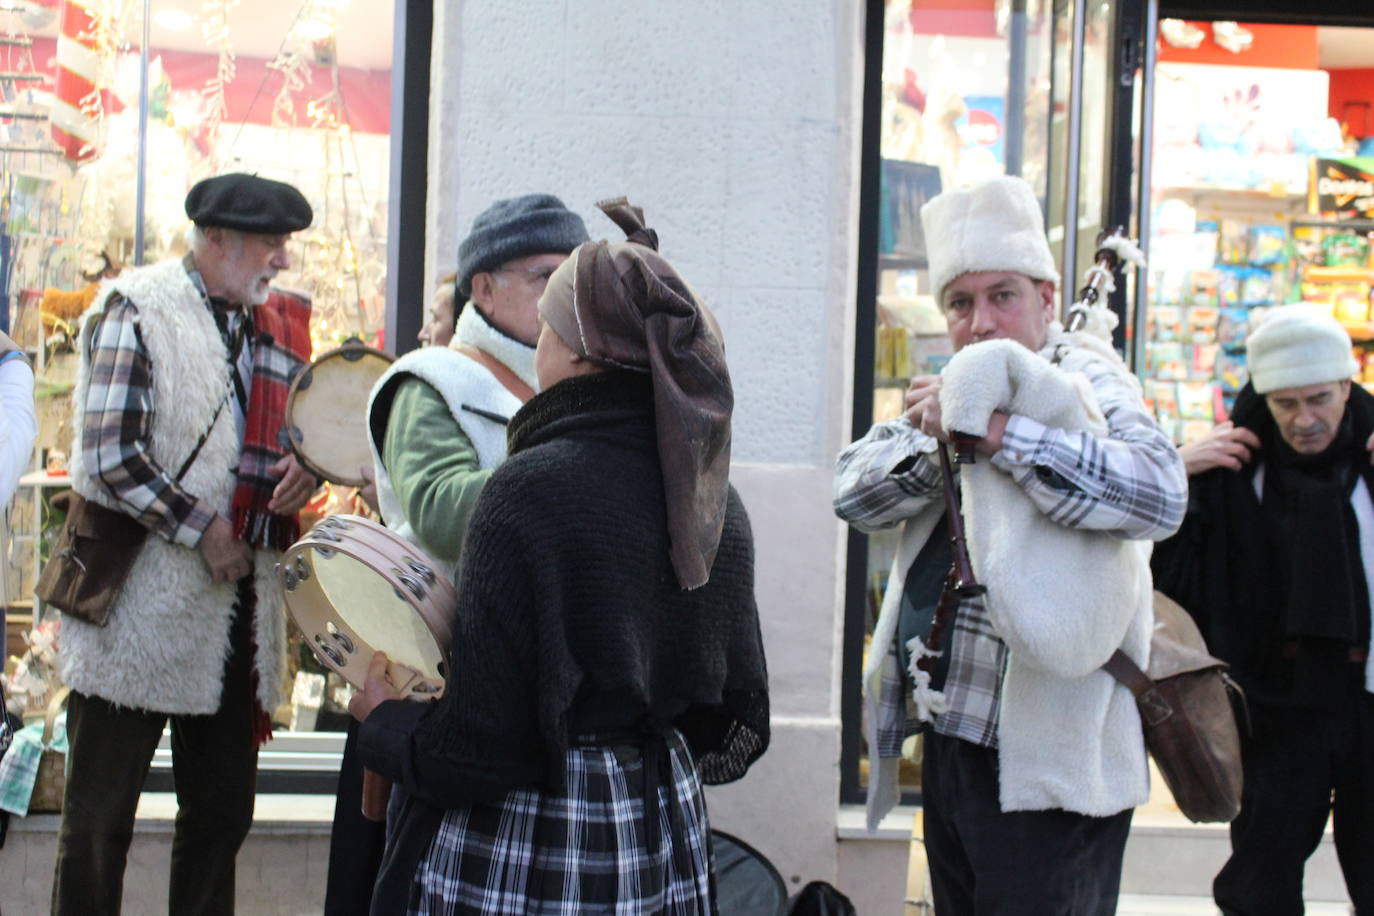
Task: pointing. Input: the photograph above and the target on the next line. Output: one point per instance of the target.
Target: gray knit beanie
(515, 228)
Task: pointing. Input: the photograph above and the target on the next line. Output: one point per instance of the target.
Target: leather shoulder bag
(1185, 703)
(96, 549)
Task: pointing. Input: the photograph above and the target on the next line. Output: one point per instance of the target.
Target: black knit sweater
(570, 620)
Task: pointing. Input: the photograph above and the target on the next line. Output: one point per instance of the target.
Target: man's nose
(281, 259)
(983, 322)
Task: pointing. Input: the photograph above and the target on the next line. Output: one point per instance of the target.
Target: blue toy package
(1232, 372)
(1266, 245)
(1259, 287)
(1233, 324)
(1230, 284)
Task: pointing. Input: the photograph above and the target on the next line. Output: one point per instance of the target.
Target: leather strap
(200, 443)
(1153, 707)
(1129, 674)
(508, 379)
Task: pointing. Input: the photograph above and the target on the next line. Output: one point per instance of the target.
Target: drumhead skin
(353, 587)
(326, 412)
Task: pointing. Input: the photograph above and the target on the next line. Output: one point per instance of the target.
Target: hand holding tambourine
(376, 689)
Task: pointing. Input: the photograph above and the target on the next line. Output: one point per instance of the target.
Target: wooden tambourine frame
(332, 443)
(384, 594)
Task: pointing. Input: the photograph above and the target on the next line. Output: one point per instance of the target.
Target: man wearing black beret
(185, 367)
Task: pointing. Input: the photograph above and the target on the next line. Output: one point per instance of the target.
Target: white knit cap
(1298, 345)
(993, 225)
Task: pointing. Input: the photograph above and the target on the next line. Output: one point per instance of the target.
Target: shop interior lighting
(172, 20)
(314, 29)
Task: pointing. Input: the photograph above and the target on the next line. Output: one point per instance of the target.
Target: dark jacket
(570, 622)
(1225, 565)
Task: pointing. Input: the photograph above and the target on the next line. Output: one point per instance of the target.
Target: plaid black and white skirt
(589, 849)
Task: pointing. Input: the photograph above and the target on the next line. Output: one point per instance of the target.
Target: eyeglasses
(535, 276)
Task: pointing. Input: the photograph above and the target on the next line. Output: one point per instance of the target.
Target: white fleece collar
(474, 330)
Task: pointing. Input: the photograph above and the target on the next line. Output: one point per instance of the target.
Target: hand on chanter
(377, 689)
(923, 412)
(1225, 445)
(922, 401)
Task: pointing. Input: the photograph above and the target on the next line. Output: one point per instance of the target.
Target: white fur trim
(475, 331)
(168, 636)
(1298, 345)
(993, 225)
(1062, 599)
(883, 788)
(929, 703)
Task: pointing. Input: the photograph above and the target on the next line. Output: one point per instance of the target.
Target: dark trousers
(984, 861)
(1302, 765)
(214, 767)
(355, 843)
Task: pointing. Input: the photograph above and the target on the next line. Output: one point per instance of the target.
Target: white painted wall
(735, 125)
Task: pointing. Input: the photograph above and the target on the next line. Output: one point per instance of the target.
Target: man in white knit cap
(1274, 561)
(1031, 766)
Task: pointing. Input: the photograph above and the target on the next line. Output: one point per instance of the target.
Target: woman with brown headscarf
(607, 657)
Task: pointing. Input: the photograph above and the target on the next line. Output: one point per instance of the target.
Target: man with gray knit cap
(437, 425)
(1274, 561)
(1033, 757)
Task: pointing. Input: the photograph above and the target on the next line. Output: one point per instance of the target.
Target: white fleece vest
(459, 380)
(1061, 598)
(168, 637)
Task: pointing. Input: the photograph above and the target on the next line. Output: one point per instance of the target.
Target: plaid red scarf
(281, 347)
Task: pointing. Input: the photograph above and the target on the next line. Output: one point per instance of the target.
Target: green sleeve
(433, 468)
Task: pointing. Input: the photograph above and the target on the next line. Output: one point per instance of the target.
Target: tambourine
(354, 587)
(326, 412)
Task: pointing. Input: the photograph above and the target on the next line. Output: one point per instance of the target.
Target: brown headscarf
(624, 306)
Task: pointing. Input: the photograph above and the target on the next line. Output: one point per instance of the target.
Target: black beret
(249, 204)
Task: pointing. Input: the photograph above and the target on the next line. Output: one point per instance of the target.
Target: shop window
(101, 142)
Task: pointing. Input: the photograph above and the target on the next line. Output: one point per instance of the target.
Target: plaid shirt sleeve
(886, 477)
(115, 429)
(1130, 483)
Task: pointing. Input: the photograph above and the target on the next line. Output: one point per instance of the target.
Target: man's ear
(1046, 290)
(1345, 389)
(482, 282)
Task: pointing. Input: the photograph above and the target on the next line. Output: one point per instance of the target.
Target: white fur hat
(1298, 345)
(993, 225)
